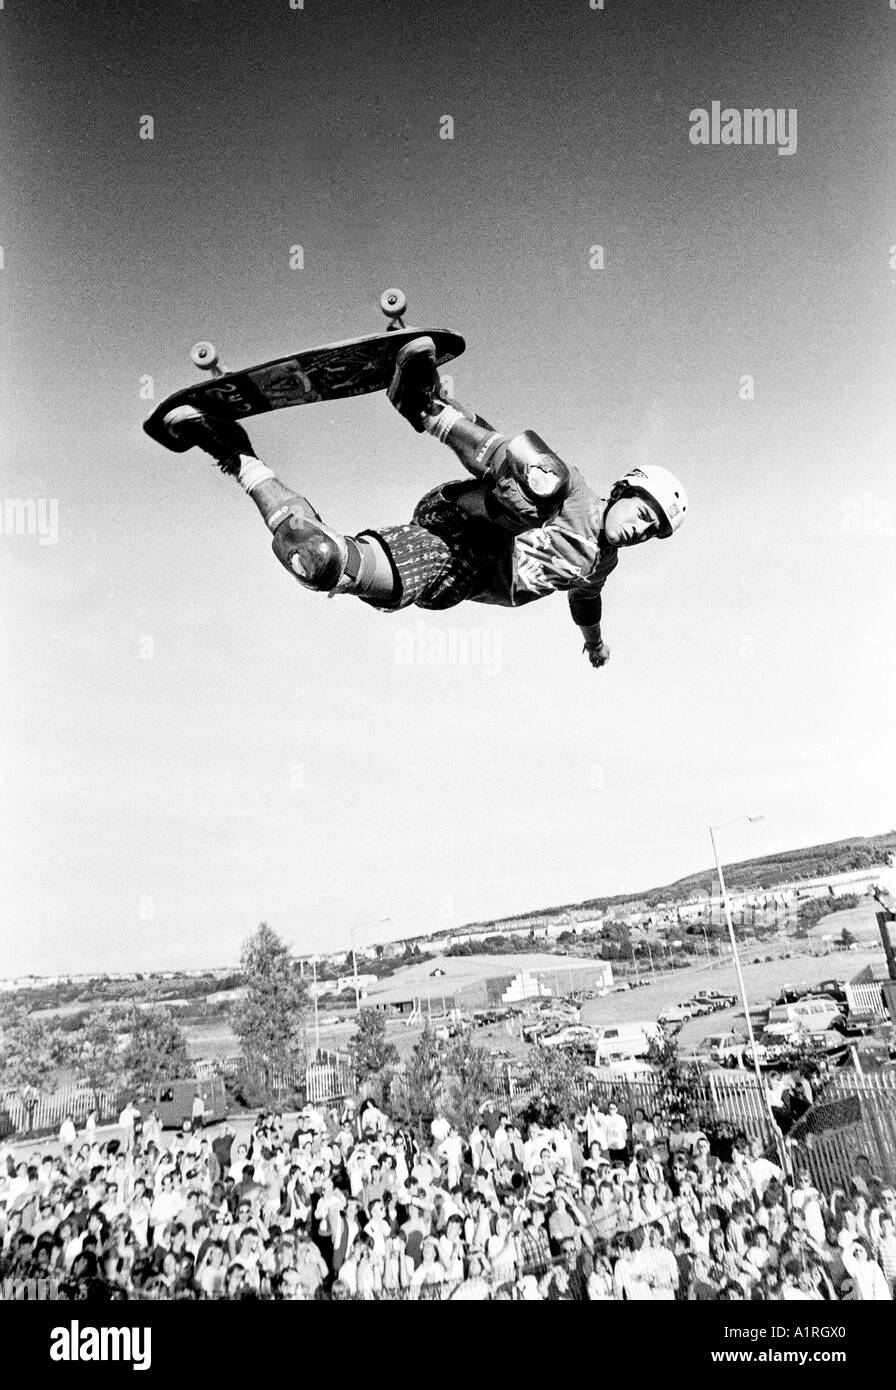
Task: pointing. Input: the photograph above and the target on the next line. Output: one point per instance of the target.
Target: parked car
(174, 1100)
(574, 1036)
(856, 1025)
(815, 1015)
(727, 1049)
(769, 1050)
(717, 1000)
(678, 1013)
(619, 1040)
(831, 989)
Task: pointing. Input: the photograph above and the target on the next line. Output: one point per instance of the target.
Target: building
(525, 985)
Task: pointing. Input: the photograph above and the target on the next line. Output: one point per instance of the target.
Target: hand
(598, 653)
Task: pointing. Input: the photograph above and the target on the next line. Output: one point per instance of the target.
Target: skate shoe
(416, 386)
(225, 440)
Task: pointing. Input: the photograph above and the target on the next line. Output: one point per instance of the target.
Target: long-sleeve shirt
(564, 554)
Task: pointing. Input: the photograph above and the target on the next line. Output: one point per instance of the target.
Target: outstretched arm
(586, 610)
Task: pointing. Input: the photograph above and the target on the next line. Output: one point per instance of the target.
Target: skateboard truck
(393, 304)
(205, 356)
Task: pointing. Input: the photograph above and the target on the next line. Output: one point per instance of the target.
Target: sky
(192, 743)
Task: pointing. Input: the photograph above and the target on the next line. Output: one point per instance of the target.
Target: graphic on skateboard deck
(333, 372)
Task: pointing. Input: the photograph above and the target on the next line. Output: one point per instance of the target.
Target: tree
(370, 1052)
(847, 937)
(471, 1073)
(423, 1080)
(680, 1091)
(156, 1050)
(28, 1058)
(270, 1020)
(94, 1051)
(562, 1082)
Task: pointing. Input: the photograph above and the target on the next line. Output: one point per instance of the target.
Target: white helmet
(660, 487)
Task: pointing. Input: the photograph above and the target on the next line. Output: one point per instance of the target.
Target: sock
(441, 425)
(252, 472)
(473, 440)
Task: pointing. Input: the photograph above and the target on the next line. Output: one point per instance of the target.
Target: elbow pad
(526, 482)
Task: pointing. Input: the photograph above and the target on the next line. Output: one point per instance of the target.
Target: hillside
(812, 861)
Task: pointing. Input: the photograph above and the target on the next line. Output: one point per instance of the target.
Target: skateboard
(337, 370)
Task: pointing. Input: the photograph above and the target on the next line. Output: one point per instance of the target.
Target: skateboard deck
(337, 370)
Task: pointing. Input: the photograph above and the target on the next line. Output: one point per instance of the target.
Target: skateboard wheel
(393, 303)
(204, 355)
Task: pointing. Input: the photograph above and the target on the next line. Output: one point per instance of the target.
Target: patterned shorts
(442, 557)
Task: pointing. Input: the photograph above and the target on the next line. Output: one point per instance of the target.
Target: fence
(41, 1112)
(328, 1079)
(325, 1081)
(854, 1116)
(866, 998)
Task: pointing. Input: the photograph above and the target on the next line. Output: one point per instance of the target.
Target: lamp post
(351, 931)
(316, 1018)
(726, 907)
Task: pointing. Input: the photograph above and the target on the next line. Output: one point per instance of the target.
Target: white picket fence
(328, 1079)
(48, 1111)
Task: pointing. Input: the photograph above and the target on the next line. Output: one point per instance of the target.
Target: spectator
(359, 1209)
(127, 1121)
(868, 1279)
(616, 1134)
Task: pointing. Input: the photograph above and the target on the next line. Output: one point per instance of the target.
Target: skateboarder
(524, 526)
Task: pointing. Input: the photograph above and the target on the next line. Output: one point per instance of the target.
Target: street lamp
(726, 907)
(369, 921)
(316, 1018)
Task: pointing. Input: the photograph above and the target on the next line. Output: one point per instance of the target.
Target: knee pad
(526, 479)
(312, 553)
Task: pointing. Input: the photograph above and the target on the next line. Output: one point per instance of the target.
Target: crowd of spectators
(344, 1203)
